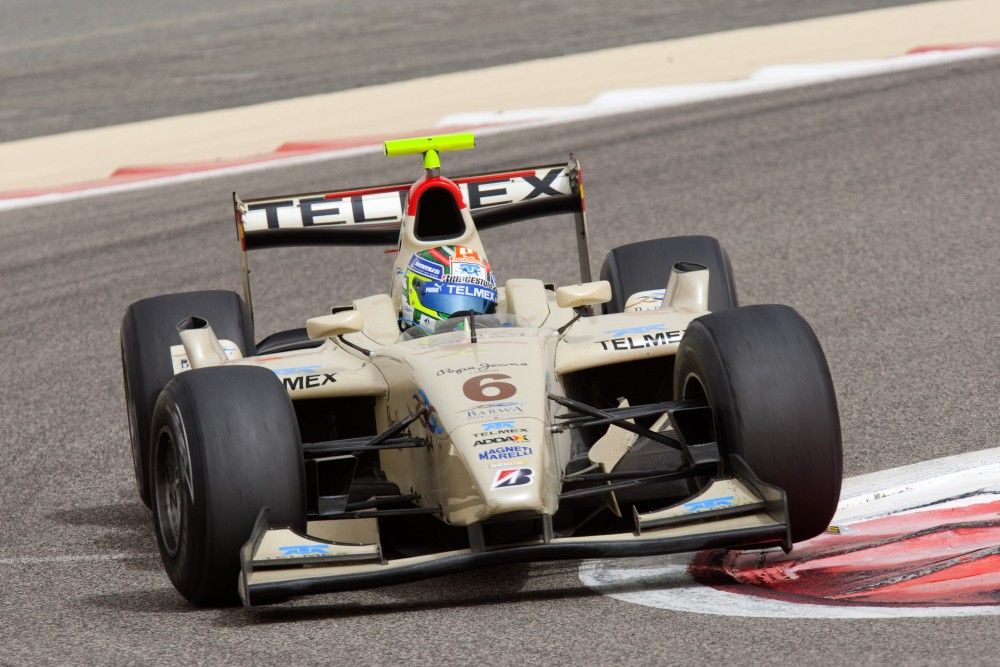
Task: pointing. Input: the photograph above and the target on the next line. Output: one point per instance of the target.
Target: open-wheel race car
(457, 422)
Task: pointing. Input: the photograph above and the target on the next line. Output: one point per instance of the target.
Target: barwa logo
(492, 411)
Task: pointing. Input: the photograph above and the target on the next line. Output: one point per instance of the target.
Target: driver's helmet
(443, 281)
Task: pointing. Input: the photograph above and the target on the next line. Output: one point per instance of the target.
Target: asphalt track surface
(70, 66)
(869, 205)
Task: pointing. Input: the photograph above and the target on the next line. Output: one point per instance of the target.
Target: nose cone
(508, 461)
(490, 400)
(500, 377)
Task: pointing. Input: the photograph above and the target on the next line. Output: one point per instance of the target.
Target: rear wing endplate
(373, 216)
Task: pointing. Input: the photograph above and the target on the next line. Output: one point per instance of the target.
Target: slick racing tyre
(646, 265)
(225, 445)
(148, 330)
(763, 373)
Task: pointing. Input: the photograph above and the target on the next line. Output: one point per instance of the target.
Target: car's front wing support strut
(385, 440)
(603, 416)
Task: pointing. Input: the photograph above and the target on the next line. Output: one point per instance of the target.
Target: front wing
(738, 511)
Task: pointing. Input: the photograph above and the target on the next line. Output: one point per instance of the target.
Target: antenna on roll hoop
(430, 147)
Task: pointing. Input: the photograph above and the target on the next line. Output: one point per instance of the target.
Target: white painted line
(918, 485)
(663, 582)
(767, 79)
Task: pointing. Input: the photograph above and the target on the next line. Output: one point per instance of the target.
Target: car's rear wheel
(148, 330)
(225, 445)
(763, 373)
(646, 265)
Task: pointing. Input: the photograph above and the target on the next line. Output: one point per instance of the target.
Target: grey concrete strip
(71, 66)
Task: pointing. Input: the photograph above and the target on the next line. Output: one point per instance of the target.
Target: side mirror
(583, 294)
(338, 324)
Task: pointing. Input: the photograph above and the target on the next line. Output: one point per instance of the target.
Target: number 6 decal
(482, 388)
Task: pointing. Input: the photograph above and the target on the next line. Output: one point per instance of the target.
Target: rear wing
(373, 216)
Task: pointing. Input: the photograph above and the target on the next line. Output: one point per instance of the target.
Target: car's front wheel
(645, 265)
(225, 444)
(148, 330)
(764, 375)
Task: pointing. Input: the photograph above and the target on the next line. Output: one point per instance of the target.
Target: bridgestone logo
(513, 477)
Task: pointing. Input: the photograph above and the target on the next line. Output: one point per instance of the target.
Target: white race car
(455, 422)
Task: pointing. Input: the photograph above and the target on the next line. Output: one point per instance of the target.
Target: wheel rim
(169, 490)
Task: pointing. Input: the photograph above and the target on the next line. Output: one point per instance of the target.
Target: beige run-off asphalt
(232, 134)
